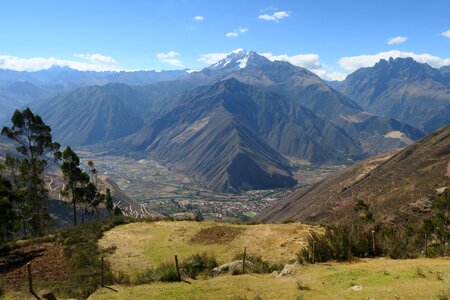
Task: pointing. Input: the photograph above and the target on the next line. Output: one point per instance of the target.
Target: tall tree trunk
(74, 214)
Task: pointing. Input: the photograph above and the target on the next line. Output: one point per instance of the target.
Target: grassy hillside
(141, 245)
(380, 279)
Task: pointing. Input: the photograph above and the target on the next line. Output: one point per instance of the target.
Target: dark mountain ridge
(404, 89)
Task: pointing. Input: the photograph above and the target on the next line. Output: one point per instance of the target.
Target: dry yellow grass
(140, 245)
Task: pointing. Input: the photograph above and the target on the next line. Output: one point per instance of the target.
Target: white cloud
(236, 32)
(199, 18)
(309, 61)
(231, 34)
(212, 58)
(276, 16)
(169, 58)
(352, 63)
(98, 59)
(446, 34)
(97, 62)
(397, 40)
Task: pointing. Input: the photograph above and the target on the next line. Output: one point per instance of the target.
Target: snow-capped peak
(238, 59)
(238, 50)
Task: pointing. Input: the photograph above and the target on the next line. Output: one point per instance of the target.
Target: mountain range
(19, 88)
(233, 124)
(403, 89)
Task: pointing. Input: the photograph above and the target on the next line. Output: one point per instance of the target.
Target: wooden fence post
(314, 252)
(373, 242)
(178, 268)
(103, 279)
(30, 278)
(243, 260)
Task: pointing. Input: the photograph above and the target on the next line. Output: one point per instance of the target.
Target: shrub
(338, 243)
(83, 257)
(164, 272)
(198, 263)
(167, 272)
(442, 296)
(257, 264)
(420, 272)
(121, 278)
(302, 286)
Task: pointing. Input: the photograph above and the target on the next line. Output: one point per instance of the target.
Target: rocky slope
(404, 89)
(394, 186)
(92, 115)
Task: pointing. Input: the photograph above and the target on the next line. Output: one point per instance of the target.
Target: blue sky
(332, 38)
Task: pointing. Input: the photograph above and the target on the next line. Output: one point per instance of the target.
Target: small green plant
(442, 297)
(198, 263)
(420, 273)
(257, 264)
(121, 278)
(167, 272)
(439, 276)
(302, 286)
(164, 272)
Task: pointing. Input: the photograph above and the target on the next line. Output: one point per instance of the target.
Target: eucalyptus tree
(36, 149)
(76, 179)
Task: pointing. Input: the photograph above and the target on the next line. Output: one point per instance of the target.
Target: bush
(164, 272)
(342, 243)
(302, 286)
(256, 265)
(83, 257)
(121, 278)
(167, 273)
(198, 263)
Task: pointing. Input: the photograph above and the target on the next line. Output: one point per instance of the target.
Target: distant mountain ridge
(92, 115)
(404, 89)
(18, 88)
(255, 110)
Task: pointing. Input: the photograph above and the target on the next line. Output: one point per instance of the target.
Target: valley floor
(370, 279)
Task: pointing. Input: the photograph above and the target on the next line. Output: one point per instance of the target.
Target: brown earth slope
(395, 186)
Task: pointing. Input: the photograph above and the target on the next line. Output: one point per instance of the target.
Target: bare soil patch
(47, 264)
(216, 235)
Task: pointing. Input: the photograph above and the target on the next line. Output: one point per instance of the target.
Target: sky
(331, 38)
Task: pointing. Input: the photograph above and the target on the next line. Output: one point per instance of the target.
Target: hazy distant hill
(395, 186)
(446, 73)
(403, 89)
(93, 115)
(18, 88)
(70, 77)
